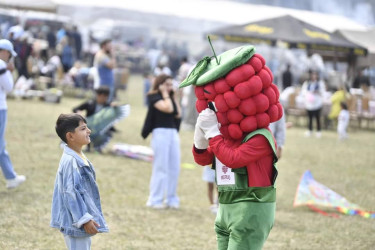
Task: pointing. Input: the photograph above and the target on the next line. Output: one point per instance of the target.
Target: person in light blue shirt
(278, 129)
(76, 209)
(105, 62)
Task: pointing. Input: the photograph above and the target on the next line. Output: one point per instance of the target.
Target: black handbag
(148, 124)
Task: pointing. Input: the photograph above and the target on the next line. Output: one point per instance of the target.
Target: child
(93, 106)
(76, 209)
(343, 121)
(209, 177)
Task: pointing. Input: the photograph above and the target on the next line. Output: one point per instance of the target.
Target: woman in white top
(313, 91)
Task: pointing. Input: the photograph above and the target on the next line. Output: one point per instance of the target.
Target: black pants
(314, 114)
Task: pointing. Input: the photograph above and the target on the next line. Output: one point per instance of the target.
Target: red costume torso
(256, 154)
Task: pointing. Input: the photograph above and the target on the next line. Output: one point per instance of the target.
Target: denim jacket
(76, 198)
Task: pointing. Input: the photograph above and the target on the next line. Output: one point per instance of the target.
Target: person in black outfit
(287, 77)
(360, 80)
(163, 120)
(93, 106)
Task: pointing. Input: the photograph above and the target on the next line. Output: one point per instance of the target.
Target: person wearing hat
(6, 85)
(105, 62)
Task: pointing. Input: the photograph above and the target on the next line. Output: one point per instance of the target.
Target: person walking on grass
(76, 208)
(313, 92)
(6, 85)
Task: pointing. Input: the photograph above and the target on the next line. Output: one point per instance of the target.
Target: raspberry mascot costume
(233, 135)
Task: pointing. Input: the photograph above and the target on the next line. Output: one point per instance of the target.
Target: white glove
(200, 142)
(207, 121)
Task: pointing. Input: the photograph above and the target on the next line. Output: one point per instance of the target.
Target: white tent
(365, 39)
(226, 12)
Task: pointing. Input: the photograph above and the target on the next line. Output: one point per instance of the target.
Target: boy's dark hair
(67, 123)
(102, 90)
(343, 105)
(104, 42)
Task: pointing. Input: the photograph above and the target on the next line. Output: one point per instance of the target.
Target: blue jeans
(77, 243)
(5, 163)
(166, 167)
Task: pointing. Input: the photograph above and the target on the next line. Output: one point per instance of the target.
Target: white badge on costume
(224, 175)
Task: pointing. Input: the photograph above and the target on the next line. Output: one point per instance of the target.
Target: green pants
(244, 225)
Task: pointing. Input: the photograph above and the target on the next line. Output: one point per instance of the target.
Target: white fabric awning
(35, 5)
(219, 11)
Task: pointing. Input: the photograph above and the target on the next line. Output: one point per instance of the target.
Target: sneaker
(174, 207)
(158, 206)
(308, 133)
(13, 183)
(318, 134)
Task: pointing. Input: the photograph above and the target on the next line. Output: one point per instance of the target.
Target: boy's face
(101, 99)
(80, 136)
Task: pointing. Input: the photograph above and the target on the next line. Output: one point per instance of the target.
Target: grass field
(347, 167)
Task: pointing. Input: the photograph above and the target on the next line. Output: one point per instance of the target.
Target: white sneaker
(308, 133)
(13, 183)
(318, 134)
(157, 206)
(174, 207)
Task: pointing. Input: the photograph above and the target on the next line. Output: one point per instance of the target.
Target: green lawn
(347, 167)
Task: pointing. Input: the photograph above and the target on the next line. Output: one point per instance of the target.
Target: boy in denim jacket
(76, 209)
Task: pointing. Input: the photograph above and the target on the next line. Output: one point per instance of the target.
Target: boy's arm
(73, 199)
(83, 106)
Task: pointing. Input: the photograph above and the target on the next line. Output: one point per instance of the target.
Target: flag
(311, 193)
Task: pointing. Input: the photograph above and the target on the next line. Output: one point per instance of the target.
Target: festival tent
(365, 39)
(292, 33)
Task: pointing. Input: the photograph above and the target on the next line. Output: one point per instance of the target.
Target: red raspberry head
(224, 131)
(231, 99)
(201, 105)
(221, 86)
(221, 104)
(247, 107)
(235, 131)
(269, 72)
(245, 99)
(265, 77)
(276, 90)
(261, 103)
(281, 111)
(273, 113)
(271, 95)
(234, 116)
(239, 74)
(256, 63)
(199, 92)
(222, 118)
(263, 120)
(261, 59)
(249, 124)
(209, 91)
